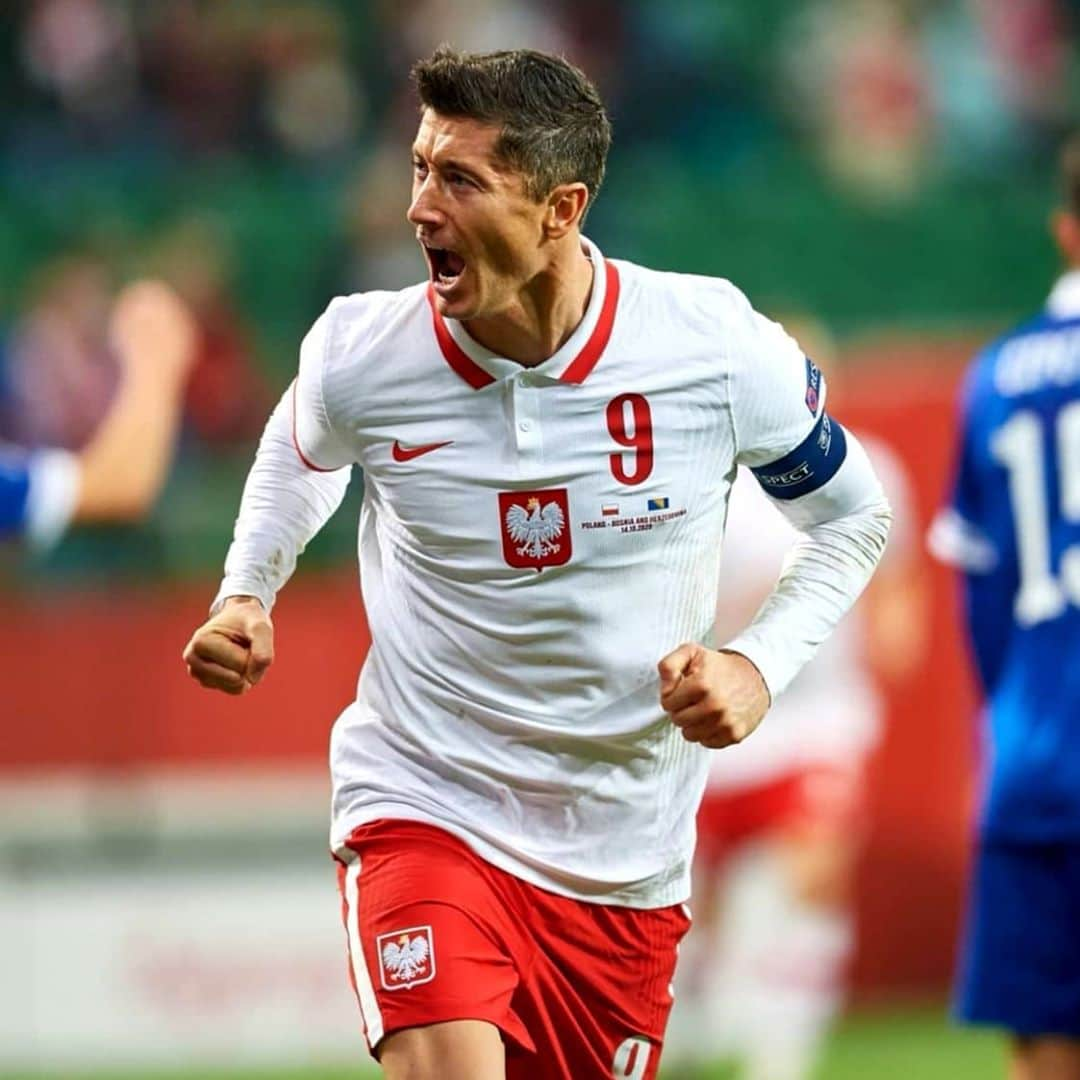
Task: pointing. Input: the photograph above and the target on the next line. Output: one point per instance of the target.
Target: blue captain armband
(810, 465)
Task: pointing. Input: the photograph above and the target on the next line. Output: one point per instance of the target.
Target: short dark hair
(1070, 173)
(555, 129)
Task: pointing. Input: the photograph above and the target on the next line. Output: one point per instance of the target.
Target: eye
(459, 179)
(419, 167)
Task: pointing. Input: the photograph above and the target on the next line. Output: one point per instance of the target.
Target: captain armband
(810, 465)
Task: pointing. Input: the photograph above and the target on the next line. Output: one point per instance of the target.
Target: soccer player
(780, 827)
(118, 474)
(1013, 527)
(548, 438)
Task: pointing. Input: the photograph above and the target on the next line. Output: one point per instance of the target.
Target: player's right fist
(232, 651)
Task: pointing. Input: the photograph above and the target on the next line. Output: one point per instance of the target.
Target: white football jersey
(532, 542)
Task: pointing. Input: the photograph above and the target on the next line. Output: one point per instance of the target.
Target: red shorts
(809, 801)
(579, 990)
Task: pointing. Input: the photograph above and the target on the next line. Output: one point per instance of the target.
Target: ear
(565, 208)
(1065, 228)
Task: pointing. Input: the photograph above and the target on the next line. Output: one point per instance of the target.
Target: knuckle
(202, 645)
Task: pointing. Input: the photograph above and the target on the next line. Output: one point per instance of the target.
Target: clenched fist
(232, 651)
(153, 331)
(714, 698)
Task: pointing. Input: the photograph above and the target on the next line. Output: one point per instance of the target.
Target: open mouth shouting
(446, 267)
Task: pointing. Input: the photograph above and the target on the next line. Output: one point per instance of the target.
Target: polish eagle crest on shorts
(406, 957)
(535, 529)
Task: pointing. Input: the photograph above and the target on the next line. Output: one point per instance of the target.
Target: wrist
(753, 666)
(233, 601)
(155, 375)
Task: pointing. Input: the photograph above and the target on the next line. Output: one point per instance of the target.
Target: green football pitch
(896, 1045)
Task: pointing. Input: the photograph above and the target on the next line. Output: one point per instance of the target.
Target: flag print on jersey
(406, 957)
(535, 528)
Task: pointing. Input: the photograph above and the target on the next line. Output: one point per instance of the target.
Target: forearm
(844, 526)
(823, 576)
(283, 506)
(123, 467)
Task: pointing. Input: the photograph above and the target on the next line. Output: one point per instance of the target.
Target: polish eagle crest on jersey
(535, 528)
(406, 957)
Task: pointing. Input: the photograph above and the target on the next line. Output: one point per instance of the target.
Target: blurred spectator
(82, 52)
(120, 471)
(61, 373)
(379, 249)
(855, 79)
(1029, 43)
(700, 97)
(199, 66)
(312, 103)
(227, 396)
(596, 37)
(1000, 72)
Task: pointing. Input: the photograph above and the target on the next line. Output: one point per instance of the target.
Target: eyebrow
(450, 165)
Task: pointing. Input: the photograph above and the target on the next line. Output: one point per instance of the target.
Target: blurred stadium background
(877, 173)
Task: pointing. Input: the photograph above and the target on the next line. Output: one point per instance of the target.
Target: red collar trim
(454, 354)
(575, 372)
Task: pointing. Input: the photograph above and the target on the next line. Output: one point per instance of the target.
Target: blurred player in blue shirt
(1013, 527)
(118, 474)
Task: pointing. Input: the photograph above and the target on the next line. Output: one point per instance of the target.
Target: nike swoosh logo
(403, 453)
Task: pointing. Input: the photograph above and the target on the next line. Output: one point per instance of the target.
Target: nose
(424, 209)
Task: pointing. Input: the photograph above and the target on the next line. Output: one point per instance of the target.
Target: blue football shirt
(38, 493)
(1013, 526)
(14, 492)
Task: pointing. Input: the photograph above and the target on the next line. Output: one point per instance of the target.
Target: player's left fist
(714, 698)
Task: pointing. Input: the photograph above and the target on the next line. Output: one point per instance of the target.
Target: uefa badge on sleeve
(406, 957)
(535, 528)
(813, 386)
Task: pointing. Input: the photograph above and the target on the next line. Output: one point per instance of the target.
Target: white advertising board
(208, 965)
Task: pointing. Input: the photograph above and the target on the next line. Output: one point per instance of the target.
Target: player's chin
(455, 299)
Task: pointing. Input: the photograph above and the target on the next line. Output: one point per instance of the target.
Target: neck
(544, 314)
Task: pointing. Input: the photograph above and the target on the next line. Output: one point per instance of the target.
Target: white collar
(1064, 299)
